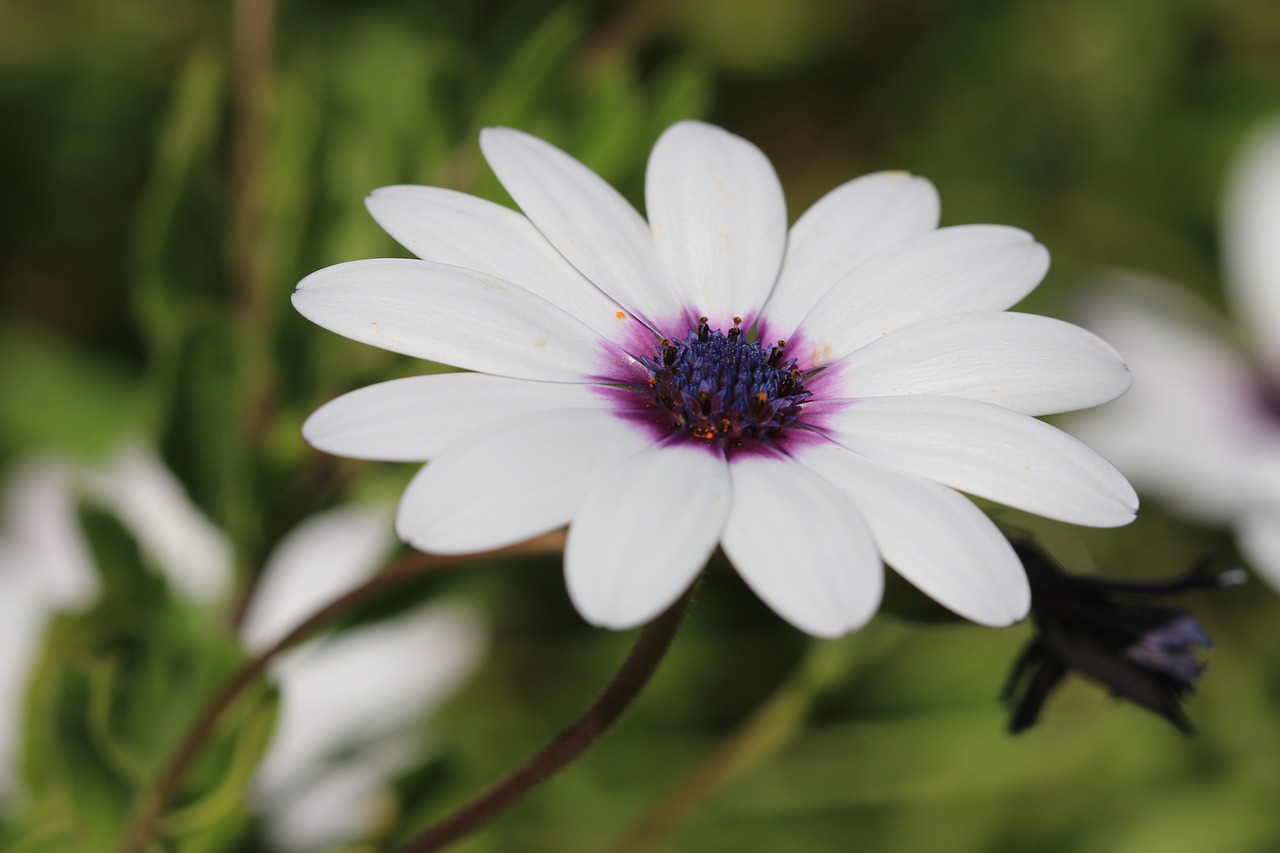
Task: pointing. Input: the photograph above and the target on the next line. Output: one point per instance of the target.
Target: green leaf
(189, 131)
(946, 755)
(521, 86)
(610, 131)
(252, 734)
(114, 691)
(383, 125)
(103, 685)
(53, 836)
(681, 89)
(206, 435)
(58, 398)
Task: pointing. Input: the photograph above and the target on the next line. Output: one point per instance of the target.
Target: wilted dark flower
(1110, 633)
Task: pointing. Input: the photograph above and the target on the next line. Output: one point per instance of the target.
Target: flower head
(810, 400)
(1201, 428)
(1111, 633)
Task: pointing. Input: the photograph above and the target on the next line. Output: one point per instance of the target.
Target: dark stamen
(717, 386)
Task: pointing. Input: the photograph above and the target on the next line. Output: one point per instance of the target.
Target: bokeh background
(170, 170)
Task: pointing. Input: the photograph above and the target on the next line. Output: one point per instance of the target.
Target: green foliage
(59, 399)
(150, 238)
(112, 695)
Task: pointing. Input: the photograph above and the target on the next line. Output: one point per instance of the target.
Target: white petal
(320, 559)
(1208, 464)
(514, 480)
(26, 608)
(414, 419)
(844, 228)
(151, 502)
(1251, 223)
(40, 524)
(369, 682)
(1258, 532)
(454, 316)
(933, 536)
(587, 221)
(461, 230)
(802, 546)
(339, 804)
(1176, 342)
(949, 271)
(1190, 426)
(1196, 471)
(1177, 345)
(990, 452)
(45, 566)
(644, 533)
(719, 219)
(1035, 365)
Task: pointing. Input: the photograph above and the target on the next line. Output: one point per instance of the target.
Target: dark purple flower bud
(1110, 633)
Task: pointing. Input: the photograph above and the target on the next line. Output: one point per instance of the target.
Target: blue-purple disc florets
(717, 387)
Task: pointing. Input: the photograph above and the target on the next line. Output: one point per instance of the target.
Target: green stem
(760, 736)
(625, 686)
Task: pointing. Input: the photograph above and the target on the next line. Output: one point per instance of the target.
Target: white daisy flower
(808, 400)
(1201, 427)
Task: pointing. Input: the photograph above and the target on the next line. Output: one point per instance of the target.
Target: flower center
(716, 386)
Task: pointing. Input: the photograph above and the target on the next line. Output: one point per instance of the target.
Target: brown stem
(253, 36)
(636, 21)
(251, 263)
(153, 803)
(625, 686)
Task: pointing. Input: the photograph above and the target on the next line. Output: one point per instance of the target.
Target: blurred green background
(167, 180)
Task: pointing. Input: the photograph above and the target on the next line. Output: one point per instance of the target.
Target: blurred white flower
(193, 554)
(1201, 425)
(46, 566)
(320, 559)
(351, 704)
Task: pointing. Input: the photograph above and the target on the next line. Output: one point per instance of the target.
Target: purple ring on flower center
(719, 389)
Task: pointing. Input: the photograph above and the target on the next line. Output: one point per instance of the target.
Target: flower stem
(761, 735)
(625, 686)
(152, 804)
(253, 41)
